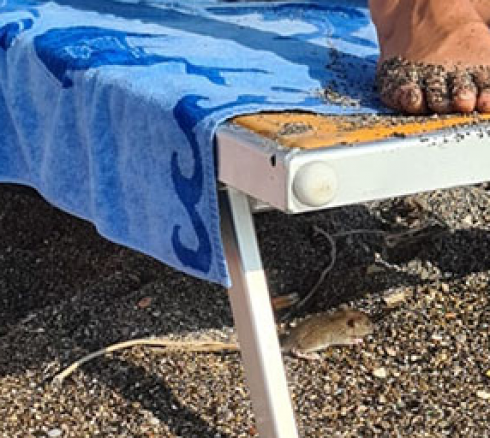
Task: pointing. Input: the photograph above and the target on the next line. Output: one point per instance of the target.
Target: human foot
(435, 56)
(482, 7)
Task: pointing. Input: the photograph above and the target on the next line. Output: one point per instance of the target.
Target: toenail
(411, 97)
(465, 95)
(484, 108)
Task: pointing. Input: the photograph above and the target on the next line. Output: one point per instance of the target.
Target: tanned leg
(435, 55)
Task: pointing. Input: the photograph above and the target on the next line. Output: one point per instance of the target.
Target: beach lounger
(301, 162)
(112, 111)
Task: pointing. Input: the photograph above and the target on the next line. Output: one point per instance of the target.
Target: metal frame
(358, 173)
(459, 156)
(254, 320)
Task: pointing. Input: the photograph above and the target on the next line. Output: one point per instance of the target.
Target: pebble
(154, 421)
(145, 302)
(437, 337)
(484, 395)
(55, 433)
(393, 299)
(445, 287)
(390, 351)
(380, 373)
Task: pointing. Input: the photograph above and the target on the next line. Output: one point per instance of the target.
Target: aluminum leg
(254, 320)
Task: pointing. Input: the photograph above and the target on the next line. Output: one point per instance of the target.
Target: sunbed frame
(296, 179)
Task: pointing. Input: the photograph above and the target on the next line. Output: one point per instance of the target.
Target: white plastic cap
(315, 184)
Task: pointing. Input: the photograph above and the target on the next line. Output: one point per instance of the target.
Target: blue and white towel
(109, 108)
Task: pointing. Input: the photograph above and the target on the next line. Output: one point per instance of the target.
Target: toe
(437, 92)
(464, 92)
(398, 84)
(411, 99)
(464, 101)
(483, 102)
(389, 97)
(407, 98)
(387, 80)
(482, 81)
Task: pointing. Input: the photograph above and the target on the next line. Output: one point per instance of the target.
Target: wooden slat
(310, 131)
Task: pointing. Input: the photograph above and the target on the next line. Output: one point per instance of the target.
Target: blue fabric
(109, 108)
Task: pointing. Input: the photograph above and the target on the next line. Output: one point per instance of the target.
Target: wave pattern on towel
(109, 108)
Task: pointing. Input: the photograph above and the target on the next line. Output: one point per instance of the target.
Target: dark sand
(65, 291)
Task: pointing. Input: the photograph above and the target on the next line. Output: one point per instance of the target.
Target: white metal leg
(254, 320)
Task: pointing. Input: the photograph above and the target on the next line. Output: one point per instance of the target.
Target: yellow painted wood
(310, 131)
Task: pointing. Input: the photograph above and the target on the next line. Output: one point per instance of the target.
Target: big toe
(411, 99)
(406, 98)
(399, 88)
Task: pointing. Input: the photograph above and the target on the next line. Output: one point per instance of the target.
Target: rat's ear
(351, 323)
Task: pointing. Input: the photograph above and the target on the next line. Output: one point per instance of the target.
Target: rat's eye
(351, 323)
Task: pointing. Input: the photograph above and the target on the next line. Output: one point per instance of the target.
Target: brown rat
(318, 332)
